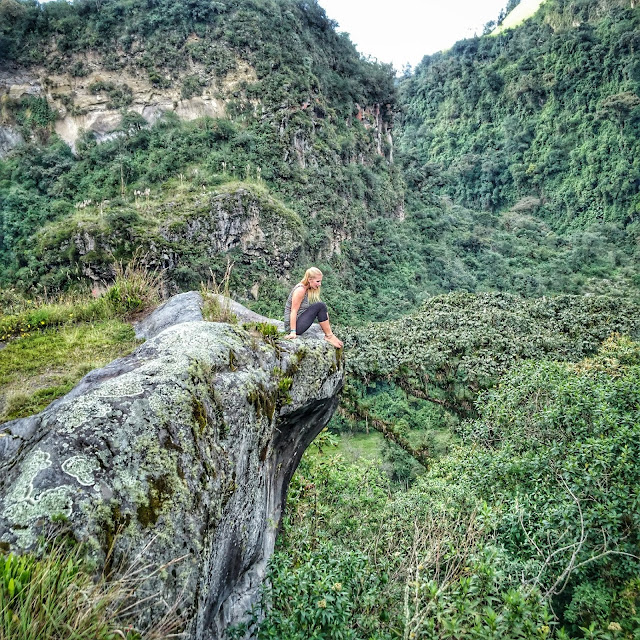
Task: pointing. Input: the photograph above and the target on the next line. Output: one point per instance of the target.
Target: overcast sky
(403, 31)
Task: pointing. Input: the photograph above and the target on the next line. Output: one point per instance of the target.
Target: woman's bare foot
(331, 339)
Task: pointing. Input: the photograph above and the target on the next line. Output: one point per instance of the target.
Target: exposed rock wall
(10, 137)
(246, 219)
(243, 220)
(81, 107)
(184, 449)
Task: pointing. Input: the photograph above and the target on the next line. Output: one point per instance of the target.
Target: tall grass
(217, 298)
(134, 290)
(56, 596)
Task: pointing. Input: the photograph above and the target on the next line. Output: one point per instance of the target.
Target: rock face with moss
(179, 232)
(240, 217)
(180, 455)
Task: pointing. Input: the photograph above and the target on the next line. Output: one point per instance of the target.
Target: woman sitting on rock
(304, 306)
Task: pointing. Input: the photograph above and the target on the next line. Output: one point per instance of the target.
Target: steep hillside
(279, 100)
(153, 127)
(546, 115)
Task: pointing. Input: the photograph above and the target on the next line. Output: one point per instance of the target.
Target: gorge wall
(94, 102)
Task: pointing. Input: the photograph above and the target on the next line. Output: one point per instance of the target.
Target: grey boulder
(178, 455)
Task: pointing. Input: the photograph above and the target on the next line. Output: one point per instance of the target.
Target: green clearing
(43, 366)
(354, 446)
(524, 10)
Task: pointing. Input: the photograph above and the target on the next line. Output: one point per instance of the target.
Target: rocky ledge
(178, 455)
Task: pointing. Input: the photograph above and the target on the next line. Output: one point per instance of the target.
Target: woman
(304, 306)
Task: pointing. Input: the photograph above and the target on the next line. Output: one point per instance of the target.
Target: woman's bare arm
(296, 301)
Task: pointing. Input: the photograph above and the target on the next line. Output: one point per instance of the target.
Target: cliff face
(181, 452)
(94, 102)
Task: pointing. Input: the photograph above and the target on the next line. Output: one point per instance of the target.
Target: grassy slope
(40, 367)
(46, 347)
(520, 13)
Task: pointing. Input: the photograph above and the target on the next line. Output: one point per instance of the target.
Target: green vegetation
(461, 344)
(56, 595)
(550, 111)
(134, 289)
(530, 515)
(292, 88)
(44, 598)
(51, 345)
(303, 156)
(269, 332)
(38, 368)
(494, 403)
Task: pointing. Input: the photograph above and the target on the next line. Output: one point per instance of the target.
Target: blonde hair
(313, 295)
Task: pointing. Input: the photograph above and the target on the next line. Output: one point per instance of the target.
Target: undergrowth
(217, 298)
(56, 596)
(134, 290)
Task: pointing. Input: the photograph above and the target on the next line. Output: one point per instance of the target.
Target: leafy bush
(553, 452)
(479, 605)
(32, 113)
(460, 344)
(323, 592)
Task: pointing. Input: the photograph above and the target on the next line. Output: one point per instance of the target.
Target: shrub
(267, 330)
(324, 592)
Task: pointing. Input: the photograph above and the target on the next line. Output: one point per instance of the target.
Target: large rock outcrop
(244, 218)
(240, 219)
(184, 449)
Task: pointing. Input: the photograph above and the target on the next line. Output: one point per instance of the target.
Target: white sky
(401, 31)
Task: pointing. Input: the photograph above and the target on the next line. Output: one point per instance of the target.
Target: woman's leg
(306, 318)
(317, 310)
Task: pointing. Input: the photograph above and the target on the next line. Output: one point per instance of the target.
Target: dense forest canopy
(546, 115)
